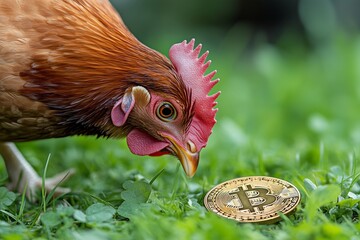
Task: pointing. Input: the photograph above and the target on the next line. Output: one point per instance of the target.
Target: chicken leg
(24, 178)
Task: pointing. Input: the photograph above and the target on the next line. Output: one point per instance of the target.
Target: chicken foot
(23, 177)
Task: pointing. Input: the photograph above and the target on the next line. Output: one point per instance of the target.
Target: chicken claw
(23, 177)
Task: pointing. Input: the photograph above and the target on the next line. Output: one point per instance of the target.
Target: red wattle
(141, 143)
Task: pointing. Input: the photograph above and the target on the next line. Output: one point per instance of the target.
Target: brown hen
(71, 67)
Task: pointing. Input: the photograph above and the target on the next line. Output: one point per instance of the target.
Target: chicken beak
(189, 161)
(188, 155)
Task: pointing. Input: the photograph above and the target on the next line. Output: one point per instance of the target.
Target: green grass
(285, 112)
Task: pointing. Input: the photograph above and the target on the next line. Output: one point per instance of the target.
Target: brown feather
(63, 65)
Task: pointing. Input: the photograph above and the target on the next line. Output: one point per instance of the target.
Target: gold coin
(256, 199)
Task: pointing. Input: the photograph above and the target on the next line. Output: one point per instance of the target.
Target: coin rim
(270, 220)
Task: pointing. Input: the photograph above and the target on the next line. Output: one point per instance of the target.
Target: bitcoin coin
(255, 199)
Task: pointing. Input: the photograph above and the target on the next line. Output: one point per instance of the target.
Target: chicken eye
(166, 112)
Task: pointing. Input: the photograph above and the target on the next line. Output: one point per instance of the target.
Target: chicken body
(71, 67)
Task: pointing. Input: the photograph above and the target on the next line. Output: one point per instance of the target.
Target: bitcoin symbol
(254, 197)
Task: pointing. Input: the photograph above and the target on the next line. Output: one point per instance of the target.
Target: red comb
(192, 68)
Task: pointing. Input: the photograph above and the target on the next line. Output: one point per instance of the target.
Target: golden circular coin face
(256, 199)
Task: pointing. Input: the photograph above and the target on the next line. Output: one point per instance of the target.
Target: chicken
(71, 67)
